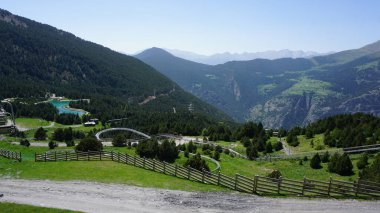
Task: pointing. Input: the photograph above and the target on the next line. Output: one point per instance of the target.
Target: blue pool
(60, 105)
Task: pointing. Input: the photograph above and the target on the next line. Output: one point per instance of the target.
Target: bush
(52, 145)
(89, 144)
(320, 147)
(246, 142)
(252, 152)
(278, 146)
(315, 162)
(226, 151)
(363, 161)
(191, 147)
(372, 172)
(300, 162)
(276, 174)
(119, 141)
(268, 148)
(341, 164)
(24, 142)
(186, 154)
(219, 149)
(167, 151)
(40, 134)
(147, 148)
(70, 143)
(196, 162)
(325, 157)
(305, 158)
(216, 155)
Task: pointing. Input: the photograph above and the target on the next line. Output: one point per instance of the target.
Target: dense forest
(37, 59)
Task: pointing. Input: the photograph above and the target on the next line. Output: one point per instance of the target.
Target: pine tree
(40, 134)
(325, 157)
(252, 152)
(268, 148)
(315, 162)
(119, 141)
(363, 161)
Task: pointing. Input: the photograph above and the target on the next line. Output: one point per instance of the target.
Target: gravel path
(98, 197)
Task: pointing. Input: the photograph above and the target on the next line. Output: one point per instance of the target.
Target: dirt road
(98, 197)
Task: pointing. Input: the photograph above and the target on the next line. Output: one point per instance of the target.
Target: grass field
(306, 145)
(21, 208)
(32, 122)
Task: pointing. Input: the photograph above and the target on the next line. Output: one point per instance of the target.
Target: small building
(89, 123)
(94, 120)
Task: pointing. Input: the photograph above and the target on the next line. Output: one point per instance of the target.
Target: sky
(211, 26)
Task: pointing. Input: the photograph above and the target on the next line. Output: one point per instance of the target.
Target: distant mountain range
(222, 58)
(283, 92)
(37, 58)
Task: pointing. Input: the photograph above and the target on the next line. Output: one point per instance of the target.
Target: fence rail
(11, 155)
(257, 184)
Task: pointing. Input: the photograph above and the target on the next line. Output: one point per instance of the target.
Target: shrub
(363, 161)
(70, 143)
(315, 162)
(24, 142)
(325, 157)
(305, 158)
(300, 162)
(119, 141)
(268, 148)
(252, 152)
(186, 153)
(196, 162)
(219, 149)
(320, 147)
(216, 155)
(191, 147)
(40, 134)
(147, 148)
(372, 172)
(52, 145)
(276, 174)
(226, 151)
(246, 142)
(89, 144)
(341, 164)
(167, 151)
(278, 146)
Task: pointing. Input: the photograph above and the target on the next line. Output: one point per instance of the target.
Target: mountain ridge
(284, 92)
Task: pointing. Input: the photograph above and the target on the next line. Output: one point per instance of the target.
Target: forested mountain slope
(37, 58)
(283, 92)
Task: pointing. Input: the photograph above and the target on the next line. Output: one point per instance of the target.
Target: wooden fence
(257, 185)
(10, 154)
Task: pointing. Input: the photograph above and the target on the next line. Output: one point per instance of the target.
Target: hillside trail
(101, 197)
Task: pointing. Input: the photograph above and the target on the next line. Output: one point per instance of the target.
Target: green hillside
(283, 92)
(37, 58)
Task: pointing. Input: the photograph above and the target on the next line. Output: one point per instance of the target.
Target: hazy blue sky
(211, 26)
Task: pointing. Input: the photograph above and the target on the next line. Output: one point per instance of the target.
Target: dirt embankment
(98, 197)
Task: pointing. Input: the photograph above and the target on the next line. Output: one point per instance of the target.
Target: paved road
(98, 197)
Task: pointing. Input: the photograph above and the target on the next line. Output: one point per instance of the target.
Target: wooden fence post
(100, 155)
(134, 160)
(118, 157)
(279, 184)
(55, 155)
(236, 180)
(45, 156)
(219, 178)
(304, 185)
(77, 156)
(175, 170)
(154, 165)
(20, 157)
(35, 157)
(126, 158)
(112, 155)
(66, 155)
(357, 187)
(188, 172)
(144, 163)
(330, 184)
(164, 166)
(203, 175)
(88, 155)
(255, 180)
